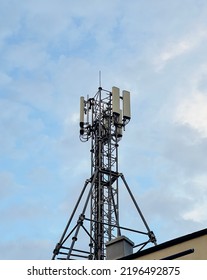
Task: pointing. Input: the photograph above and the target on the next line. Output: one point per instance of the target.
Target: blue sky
(51, 52)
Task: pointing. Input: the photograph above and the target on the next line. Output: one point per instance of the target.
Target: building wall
(199, 244)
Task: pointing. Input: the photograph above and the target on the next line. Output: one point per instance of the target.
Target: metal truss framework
(102, 121)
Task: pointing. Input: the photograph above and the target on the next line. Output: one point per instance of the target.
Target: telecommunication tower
(103, 119)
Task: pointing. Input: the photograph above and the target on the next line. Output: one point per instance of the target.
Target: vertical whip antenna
(99, 78)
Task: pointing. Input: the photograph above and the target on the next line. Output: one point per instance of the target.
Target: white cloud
(198, 214)
(179, 47)
(175, 50)
(192, 112)
(198, 210)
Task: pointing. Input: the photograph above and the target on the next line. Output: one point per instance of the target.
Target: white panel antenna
(81, 111)
(115, 100)
(126, 105)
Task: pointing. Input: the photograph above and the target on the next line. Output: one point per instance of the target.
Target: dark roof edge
(166, 244)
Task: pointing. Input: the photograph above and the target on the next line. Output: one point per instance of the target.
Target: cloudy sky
(51, 52)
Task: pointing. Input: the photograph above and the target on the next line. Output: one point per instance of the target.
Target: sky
(51, 52)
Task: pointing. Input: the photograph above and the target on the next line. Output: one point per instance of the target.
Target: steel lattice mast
(102, 121)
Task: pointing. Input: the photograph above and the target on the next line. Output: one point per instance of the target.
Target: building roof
(166, 244)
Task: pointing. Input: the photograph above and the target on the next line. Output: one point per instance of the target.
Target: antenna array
(106, 112)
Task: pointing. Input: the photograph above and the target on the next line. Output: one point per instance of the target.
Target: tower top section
(108, 108)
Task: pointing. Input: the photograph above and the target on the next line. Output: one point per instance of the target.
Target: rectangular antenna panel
(115, 100)
(126, 105)
(81, 111)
